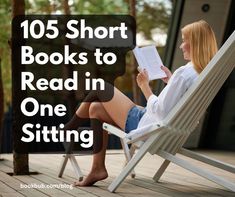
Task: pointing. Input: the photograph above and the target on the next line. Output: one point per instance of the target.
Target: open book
(149, 59)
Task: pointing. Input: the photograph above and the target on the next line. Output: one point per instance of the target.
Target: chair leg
(125, 171)
(204, 173)
(132, 152)
(128, 154)
(161, 170)
(76, 167)
(131, 164)
(63, 164)
(208, 160)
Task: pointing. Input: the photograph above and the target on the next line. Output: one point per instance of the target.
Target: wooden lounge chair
(167, 137)
(69, 156)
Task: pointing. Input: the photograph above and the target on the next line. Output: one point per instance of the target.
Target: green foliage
(38, 7)
(5, 32)
(100, 7)
(151, 14)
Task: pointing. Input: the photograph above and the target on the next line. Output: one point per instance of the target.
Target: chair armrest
(114, 130)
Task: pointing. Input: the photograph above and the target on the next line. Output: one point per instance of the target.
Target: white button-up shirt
(159, 106)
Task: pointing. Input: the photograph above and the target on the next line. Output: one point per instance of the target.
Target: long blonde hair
(202, 42)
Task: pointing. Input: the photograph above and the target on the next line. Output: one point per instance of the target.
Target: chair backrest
(183, 118)
(185, 115)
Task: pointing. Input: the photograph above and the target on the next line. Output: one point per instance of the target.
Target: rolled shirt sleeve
(160, 106)
(152, 100)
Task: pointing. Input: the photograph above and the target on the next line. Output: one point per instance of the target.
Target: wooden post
(68, 72)
(135, 89)
(1, 107)
(20, 161)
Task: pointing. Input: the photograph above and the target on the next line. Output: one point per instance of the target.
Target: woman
(198, 47)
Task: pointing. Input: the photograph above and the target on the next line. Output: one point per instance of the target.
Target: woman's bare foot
(92, 178)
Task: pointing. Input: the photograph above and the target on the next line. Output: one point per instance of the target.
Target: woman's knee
(95, 109)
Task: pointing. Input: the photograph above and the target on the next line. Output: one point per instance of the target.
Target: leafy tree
(5, 72)
(5, 26)
(100, 7)
(39, 7)
(151, 15)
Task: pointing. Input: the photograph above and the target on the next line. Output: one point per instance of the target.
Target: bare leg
(115, 112)
(98, 171)
(117, 108)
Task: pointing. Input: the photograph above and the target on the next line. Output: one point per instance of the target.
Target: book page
(154, 62)
(140, 58)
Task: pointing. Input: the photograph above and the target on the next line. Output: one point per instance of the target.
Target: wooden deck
(175, 182)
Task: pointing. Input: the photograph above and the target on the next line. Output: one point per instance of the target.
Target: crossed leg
(114, 112)
(98, 170)
(117, 108)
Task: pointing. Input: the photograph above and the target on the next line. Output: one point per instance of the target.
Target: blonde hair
(202, 42)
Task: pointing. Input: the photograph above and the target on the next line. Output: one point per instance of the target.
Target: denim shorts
(133, 117)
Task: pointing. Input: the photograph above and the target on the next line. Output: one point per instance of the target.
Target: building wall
(216, 16)
(216, 13)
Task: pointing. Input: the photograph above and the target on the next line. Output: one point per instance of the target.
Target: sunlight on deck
(175, 182)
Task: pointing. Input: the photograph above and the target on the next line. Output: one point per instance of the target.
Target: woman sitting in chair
(198, 47)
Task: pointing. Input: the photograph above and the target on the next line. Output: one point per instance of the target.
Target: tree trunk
(135, 89)
(20, 161)
(1, 107)
(68, 72)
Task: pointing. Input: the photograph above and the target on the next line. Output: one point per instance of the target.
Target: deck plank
(175, 181)
(14, 194)
(129, 190)
(14, 184)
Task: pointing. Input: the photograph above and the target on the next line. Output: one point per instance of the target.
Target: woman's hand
(142, 79)
(168, 74)
(143, 82)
